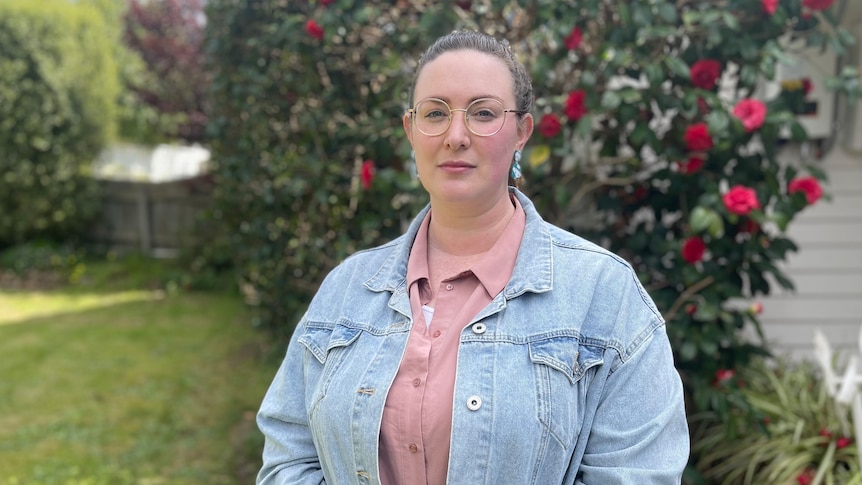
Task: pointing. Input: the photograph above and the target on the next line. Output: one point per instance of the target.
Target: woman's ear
(408, 127)
(525, 130)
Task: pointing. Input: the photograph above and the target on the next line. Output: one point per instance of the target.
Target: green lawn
(111, 384)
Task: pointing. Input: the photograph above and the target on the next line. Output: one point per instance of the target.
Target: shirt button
(413, 448)
(417, 382)
(474, 403)
(479, 328)
(436, 333)
(449, 286)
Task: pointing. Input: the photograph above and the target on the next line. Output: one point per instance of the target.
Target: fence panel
(155, 218)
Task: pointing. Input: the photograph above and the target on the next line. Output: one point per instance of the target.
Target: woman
(484, 346)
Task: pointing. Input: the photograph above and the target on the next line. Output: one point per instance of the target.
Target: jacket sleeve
(639, 434)
(289, 453)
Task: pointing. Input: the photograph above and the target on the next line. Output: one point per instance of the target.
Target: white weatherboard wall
(827, 269)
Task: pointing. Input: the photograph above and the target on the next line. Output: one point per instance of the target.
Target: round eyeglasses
(484, 116)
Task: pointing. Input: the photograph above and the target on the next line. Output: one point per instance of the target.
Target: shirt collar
(493, 271)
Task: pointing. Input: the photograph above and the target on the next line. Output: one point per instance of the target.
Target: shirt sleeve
(289, 454)
(640, 433)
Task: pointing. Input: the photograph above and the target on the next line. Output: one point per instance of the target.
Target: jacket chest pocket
(561, 366)
(329, 344)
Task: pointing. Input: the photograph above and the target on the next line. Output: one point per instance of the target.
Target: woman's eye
(436, 114)
(484, 114)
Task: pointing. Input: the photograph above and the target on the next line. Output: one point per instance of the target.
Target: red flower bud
(697, 137)
(693, 249)
(573, 41)
(366, 174)
(549, 125)
(704, 73)
(575, 107)
(314, 29)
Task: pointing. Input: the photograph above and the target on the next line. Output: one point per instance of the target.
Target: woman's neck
(459, 231)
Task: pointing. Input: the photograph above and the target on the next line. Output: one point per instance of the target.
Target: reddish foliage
(168, 35)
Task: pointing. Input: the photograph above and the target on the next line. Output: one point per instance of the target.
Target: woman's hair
(480, 42)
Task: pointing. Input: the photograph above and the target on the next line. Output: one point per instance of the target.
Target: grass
(122, 379)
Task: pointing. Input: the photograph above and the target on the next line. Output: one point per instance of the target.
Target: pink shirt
(417, 417)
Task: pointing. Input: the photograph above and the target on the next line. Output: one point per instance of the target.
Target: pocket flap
(565, 354)
(319, 340)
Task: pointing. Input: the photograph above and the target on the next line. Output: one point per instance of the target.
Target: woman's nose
(458, 134)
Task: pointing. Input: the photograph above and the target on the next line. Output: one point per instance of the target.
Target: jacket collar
(533, 268)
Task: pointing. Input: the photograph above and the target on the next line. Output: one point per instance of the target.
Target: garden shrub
(649, 118)
(58, 87)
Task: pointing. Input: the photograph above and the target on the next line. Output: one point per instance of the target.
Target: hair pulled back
(486, 44)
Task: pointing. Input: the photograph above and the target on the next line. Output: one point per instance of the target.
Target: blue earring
(515, 173)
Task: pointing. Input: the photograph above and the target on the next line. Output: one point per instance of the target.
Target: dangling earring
(515, 173)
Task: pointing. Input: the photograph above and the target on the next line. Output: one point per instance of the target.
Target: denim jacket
(566, 377)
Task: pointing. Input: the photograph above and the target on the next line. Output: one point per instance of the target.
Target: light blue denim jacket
(566, 377)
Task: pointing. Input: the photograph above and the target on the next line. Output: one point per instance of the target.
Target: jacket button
(474, 403)
(479, 328)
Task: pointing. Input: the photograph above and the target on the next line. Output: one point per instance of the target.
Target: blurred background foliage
(58, 86)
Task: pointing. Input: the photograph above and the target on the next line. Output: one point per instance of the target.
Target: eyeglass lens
(485, 117)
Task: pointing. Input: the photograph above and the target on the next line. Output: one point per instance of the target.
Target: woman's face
(459, 166)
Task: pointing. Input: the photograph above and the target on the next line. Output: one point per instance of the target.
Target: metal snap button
(479, 328)
(474, 403)
(449, 286)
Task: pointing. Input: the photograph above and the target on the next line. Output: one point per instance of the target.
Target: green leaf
(668, 12)
(610, 100)
(678, 67)
(700, 219)
(797, 131)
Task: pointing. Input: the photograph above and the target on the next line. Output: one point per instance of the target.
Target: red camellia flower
(723, 375)
(314, 29)
(807, 185)
(575, 108)
(806, 477)
(705, 73)
(741, 200)
(843, 442)
(751, 112)
(693, 249)
(573, 41)
(549, 125)
(697, 137)
(817, 4)
(366, 174)
(769, 6)
(694, 164)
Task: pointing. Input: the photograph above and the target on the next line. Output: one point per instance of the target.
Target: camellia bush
(654, 137)
(58, 86)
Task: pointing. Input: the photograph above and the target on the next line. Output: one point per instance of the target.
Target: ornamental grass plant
(796, 434)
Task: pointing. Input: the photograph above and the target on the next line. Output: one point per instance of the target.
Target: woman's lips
(456, 166)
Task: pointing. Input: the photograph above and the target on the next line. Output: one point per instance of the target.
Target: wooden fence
(155, 218)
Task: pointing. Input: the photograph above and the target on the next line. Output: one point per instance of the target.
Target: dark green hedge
(296, 122)
(58, 88)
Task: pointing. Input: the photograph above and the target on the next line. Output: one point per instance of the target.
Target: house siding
(826, 271)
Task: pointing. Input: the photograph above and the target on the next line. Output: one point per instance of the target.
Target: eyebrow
(448, 100)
